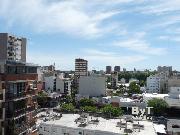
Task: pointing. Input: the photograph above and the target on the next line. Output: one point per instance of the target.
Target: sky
(129, 33)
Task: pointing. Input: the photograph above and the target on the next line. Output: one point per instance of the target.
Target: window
(31, 69)
(1, 96)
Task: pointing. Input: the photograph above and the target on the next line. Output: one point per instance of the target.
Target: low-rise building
(173, 82)
(173, 98)
(123, 102)
(173, 127)
(149, 96)
(74, 124)
(56, 84)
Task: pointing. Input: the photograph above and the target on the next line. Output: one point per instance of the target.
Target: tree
(42, 98)
(92, 109)
(109, 110)
(134, 88)
(68, 99)
(159, 106)
(142, 83)
(67, 107)
(86, 102)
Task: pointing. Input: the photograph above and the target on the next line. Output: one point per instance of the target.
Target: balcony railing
(15, 113)
(30, 109)
(18, 129)
(11, 96)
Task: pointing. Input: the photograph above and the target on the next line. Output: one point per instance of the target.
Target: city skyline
(127, 33)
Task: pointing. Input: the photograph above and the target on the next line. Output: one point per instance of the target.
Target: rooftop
(104, 125)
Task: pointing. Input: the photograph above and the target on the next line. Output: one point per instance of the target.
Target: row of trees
(88, 105)
(138, 75)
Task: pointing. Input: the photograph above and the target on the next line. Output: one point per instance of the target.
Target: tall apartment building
(117, 69)
(18, 88)
(114, 80)
(165, 69)
(108, 69)
(12, 47)
(2, 109)
(81, 67)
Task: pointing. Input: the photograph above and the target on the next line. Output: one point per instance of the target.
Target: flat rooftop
(173, 125)
(104, 125)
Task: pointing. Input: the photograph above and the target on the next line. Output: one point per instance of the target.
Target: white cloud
(104, 58)
(43, 59)
(170, 38)
(96, 58)
(137, 43)
(97, 52)
(159, 7)
(69, 17)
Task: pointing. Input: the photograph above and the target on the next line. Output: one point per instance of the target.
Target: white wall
(92, 85)
(49, 83)
(153, 84)
(49, 129)
(60, 85)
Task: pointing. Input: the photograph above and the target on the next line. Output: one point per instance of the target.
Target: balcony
(22, 76)
(16, 114)
(32, 91)
(15, 97)
(31, 108)
(19, 129)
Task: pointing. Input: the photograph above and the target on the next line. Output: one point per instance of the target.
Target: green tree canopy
(42, 99)
(159, 106)
(109, 111)
(67, 107)
(86, 102)
(134, 88)
(89, 109)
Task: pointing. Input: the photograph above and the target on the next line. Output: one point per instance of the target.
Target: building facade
(117, 69)
(81, 67)
(56, 84)
(165, 69)
(19, 82)
(108, 69)
(12, 47)
(92, 86)
(114, 80)
(18, 86)
(153, 84)
(173, 99)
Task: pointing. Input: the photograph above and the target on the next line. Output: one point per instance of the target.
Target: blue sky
(129, 33)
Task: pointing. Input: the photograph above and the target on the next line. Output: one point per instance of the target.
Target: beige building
(173, 82)
(81, 67)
